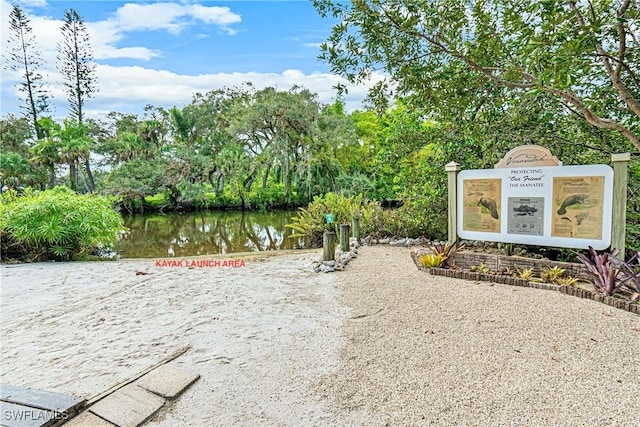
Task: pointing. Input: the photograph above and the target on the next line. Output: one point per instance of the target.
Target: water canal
(206, 233)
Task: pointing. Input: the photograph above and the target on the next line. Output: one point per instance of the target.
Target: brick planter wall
(464, 260)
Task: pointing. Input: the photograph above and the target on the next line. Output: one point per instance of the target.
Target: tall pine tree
(23, 56)
(76, 65)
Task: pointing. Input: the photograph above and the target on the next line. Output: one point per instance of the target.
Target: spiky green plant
(526, 273)
(568, 281)
(310, 221)
(552, 274)
(447, 250)
(481, 268)
(432, 260)
(57, 224)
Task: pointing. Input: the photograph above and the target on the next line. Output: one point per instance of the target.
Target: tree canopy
(23, 56)
(76, 63)
(583, 55)
(467, 81)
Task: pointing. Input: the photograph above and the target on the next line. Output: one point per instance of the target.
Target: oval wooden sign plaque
(528, 155)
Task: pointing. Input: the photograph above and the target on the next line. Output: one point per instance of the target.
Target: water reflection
(206, 233)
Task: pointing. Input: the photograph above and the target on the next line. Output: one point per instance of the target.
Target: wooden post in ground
(452, 175)
(328, 246)
(355, 222)
(620, 163)
(344, 237)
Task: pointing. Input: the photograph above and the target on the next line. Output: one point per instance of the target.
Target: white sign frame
(538, 184)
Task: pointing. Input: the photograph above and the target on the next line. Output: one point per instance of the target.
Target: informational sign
(564, 206)
(481, 209)
(578, 207)
(525, 215)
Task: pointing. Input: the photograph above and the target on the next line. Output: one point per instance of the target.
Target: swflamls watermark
(200, 263)
(28, 415)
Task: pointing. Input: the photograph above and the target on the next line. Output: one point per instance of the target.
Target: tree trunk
(266, 177)
(285, 178)
(52, 177)
(73, 176)
(248, 183)
(220, 189)
(84, 180)
(332, 181)
(210, 177)
(92, 183)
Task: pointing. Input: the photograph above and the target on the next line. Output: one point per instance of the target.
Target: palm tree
(68, 144)
(46, 152)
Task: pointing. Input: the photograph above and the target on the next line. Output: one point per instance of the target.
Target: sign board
(565, 206)
(527, 156)
(329, 218)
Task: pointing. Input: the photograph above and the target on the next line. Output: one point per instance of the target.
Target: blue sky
(161, 52)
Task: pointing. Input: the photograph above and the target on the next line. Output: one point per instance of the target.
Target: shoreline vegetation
(244, 148)
(261, 148)
(252, 147)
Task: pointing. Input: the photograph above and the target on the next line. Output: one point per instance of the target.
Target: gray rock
(344, 258)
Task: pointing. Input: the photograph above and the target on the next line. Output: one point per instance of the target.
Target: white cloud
(32, 3)
(165, 16)
(221, 16)
(172, 17)
(107, 34)
(158, 16)
(130, 88)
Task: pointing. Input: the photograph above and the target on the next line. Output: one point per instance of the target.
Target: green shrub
(271, 196)
(157, 201)
(227, 200)
(421, 217)
(310, 222)
(56, 224)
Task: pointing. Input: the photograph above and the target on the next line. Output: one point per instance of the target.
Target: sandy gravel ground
(276, 344)
(427, 350)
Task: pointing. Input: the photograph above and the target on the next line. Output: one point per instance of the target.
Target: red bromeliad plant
(604, 269)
